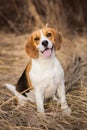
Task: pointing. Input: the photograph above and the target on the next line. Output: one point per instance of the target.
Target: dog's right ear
(31, 48)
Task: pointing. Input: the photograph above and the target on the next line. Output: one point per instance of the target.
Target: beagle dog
(43, 78)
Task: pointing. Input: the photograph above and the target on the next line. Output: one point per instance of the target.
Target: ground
(13, 60)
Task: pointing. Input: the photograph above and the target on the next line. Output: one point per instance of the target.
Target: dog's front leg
(61, 93)
(39, 100)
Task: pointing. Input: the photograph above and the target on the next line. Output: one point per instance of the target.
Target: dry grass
(13, 60)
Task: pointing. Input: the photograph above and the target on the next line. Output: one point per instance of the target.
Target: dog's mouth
(47, 52)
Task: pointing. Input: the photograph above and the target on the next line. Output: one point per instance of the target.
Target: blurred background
(22, 16)
(18, 19)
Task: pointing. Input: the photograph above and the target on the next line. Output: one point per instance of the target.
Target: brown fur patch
(33, 41)
(28, 68)
(24, 83)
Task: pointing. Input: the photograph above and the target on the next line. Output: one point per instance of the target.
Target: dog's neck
(45, 62)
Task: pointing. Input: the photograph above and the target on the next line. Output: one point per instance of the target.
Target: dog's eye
(49, 34)
(36, 38)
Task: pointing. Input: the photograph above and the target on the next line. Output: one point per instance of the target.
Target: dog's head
(43, 42)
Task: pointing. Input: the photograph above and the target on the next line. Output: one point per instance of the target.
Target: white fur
(40, 47)
(12, 88)
(47, 78)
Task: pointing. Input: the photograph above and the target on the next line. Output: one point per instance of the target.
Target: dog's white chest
(46, 76)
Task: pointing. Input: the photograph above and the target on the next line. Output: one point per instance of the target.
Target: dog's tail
(11, 88)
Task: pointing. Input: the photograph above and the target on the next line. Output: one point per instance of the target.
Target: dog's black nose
(45, 43)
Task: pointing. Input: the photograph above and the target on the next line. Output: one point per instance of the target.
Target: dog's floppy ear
(57, 39)
(31, 49)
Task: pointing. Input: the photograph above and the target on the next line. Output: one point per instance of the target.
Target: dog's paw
(66, 111)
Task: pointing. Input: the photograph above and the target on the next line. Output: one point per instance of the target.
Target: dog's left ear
(57, 39)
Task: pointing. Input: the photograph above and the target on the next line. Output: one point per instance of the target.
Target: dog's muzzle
(47, 52)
